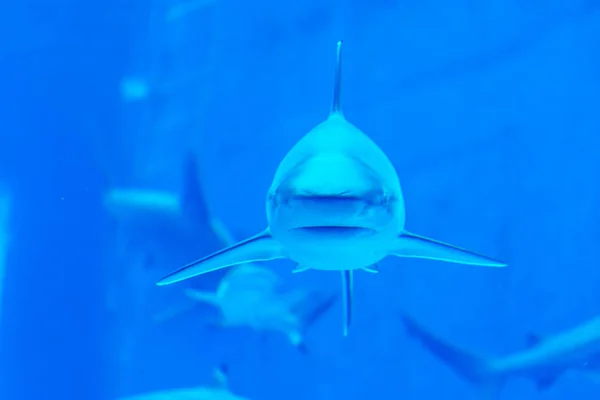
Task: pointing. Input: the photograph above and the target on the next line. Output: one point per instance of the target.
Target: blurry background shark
(252, 296)
(163, 226)
(155, 229)
(158, 229)
(217, 390)
(543, 361)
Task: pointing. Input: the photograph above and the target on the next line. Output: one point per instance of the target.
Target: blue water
(489, 112)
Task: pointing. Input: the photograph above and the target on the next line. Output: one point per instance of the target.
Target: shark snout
(330, 175)
(314, 210)
(327, 203)
(330, 191)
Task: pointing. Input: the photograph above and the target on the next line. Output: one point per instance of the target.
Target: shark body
(250, 295)
(217, 391)
(166, 226)
(193, 393)
(335, 203)
(543, 361)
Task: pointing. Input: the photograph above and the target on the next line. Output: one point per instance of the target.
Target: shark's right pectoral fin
(262, 247)
(414, 246)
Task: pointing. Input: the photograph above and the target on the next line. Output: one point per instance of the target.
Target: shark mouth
(335, 231)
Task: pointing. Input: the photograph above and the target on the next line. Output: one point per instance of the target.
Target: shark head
(333, 193)
(334, 186)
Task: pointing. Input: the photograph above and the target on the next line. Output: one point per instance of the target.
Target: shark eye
(272, 199)
(278, 198)
(378, 198)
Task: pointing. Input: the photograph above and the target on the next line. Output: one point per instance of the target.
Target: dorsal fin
(336, 107)
(193, 203)
(220, 376)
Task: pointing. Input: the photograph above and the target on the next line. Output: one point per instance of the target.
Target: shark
(544, 360)
(250, 295)
(218, 390)
(335, 204)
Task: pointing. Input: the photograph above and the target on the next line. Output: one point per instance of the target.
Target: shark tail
(473, 368)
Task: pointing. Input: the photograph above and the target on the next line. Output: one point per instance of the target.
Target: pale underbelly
(335, 248)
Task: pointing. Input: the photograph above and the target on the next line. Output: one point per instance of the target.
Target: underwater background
(488, 111)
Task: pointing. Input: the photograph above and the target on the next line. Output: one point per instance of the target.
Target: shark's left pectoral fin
(414, 246)
(262, 247)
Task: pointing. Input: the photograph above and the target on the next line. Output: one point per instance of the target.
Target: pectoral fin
(261, 247)
(299, 268)
(347, 299)
(205, 297)
(373, 269)
(414, 246)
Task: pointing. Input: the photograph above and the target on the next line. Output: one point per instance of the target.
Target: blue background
(488, 110)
